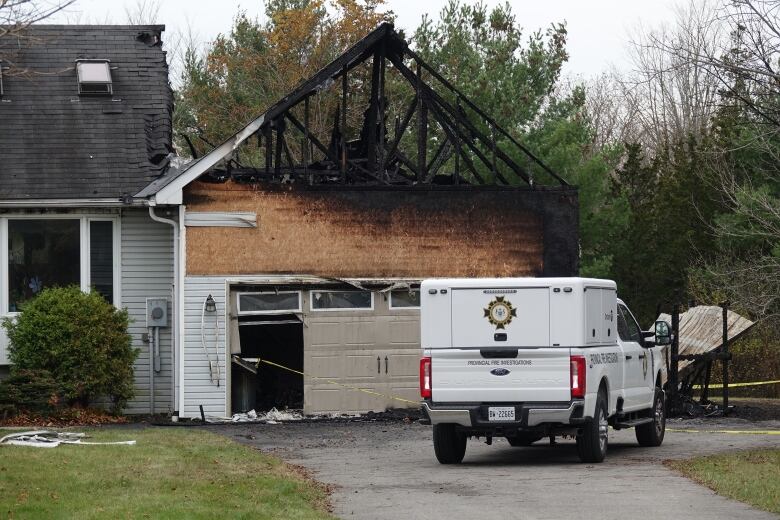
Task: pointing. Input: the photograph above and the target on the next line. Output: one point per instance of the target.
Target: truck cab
(528, 358)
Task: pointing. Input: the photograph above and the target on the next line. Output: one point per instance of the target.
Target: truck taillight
(425, 378)
(577, 376)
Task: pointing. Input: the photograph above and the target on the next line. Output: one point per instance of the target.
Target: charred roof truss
(421, 131)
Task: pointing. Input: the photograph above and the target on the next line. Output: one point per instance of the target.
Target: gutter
(71, 203)
(175, 338)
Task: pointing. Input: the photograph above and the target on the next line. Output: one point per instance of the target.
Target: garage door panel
(322, 399)
(360, 365)
(359, 332)
(322, 333)
(324, 365)
(407, 391)
(404, 364)
(405, 332)
(355, 401)
(344, 347)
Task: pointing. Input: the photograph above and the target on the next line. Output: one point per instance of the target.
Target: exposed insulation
(381, 233)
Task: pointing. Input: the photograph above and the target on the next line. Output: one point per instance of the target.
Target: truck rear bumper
(528, 415)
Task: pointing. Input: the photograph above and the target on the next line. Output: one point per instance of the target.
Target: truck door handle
(628, 357)
(378, 365)
(642, 356)
(387, 363)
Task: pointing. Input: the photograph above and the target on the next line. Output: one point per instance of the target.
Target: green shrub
(29, 391)
(81, 339)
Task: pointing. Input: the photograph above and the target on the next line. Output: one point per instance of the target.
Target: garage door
(363, 341)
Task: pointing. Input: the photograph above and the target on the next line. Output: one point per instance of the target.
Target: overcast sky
(598, 29)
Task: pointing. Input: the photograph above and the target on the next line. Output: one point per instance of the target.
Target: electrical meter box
(156, 312)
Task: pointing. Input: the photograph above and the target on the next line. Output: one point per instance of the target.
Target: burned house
(282, 268)
(300, 271)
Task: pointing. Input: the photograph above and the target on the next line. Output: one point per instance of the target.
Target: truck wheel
(522, 439)
(652, 434)
(448, 444)
(592, 442)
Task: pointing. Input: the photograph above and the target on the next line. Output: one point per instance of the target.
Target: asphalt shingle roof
(57, 144)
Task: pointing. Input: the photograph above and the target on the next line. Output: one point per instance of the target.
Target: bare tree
(16, 16)
(609, 114)
(745, 68)
(143, 12)
(669, 96)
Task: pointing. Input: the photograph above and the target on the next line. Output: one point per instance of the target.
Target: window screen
(321, 300)
(249, 303)
(404, 298)
(101, 258)
(41, 253)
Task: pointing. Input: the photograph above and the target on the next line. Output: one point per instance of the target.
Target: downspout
(180, 298)
(174, 294)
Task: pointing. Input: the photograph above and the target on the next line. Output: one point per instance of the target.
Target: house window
(341, 300)
(405, 299)
(269, 302)
(41, 252)
(94, 77)
(101, 257)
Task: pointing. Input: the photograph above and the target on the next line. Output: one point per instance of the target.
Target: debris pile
(272, 416)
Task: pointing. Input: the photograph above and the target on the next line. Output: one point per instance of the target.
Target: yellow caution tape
(401, 399)
(732, 385)
(731, 432)
(331, 381)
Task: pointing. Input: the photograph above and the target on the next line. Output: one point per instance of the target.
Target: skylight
(94, 77)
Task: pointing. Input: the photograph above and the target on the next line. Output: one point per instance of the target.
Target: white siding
(198, 387)
(147, 272)
(3, 346)
(146, 253)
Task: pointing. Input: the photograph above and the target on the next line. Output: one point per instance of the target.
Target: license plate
(501, 413)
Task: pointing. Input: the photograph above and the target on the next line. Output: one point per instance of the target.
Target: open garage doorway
(266, 332)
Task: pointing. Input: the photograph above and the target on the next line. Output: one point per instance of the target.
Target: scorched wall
(414, 232)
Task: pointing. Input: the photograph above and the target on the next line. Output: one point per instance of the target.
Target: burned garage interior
(265, 332)
(329, 209)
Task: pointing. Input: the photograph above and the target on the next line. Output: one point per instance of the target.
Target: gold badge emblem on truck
(500, 312)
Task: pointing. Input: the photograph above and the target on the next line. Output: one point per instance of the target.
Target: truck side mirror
(663, 333)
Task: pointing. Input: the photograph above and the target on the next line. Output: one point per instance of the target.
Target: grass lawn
(169, 473)
(749, 476)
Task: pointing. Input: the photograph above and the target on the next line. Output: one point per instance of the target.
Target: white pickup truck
(528, 358)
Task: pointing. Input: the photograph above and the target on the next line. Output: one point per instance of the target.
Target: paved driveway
(388, 471)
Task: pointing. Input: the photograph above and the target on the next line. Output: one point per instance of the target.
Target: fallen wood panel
(701, 331)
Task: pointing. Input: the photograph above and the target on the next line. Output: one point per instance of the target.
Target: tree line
(676, 160)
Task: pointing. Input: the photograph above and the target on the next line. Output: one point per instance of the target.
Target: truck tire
(523, 439)
(592, 442)
(448, 444)
(652, 434)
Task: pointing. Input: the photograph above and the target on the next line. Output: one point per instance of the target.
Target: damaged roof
(374, 158)
(58, 144)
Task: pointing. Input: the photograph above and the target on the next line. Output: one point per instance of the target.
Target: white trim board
(241, 219)
(172, 192)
